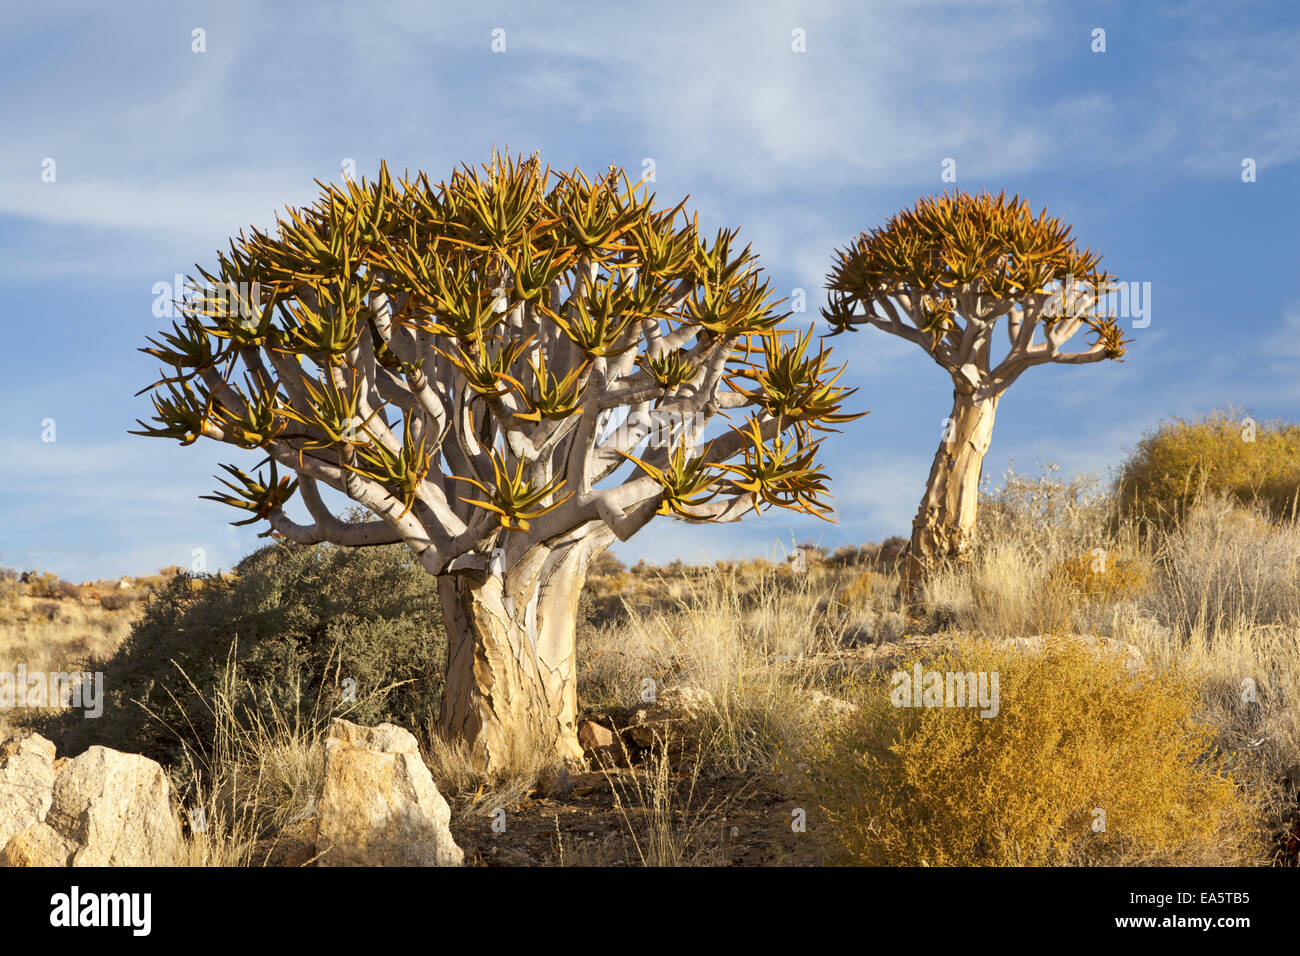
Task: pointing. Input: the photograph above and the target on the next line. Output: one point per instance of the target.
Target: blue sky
(161, 153)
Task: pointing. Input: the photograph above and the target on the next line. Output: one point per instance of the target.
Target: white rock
(379, 805)
(26, 783)
(829, 708)
(109, 809)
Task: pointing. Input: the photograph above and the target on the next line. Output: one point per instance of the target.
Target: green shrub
(1075, 733)
(296, 622)
(1183, 460)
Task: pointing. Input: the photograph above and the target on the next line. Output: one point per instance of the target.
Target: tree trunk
(944, 527)
(511, 689)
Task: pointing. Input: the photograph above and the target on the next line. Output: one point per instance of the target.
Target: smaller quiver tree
(943, 275)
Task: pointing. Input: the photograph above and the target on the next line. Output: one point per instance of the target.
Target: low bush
(115, 602)
(1075, 736)
(296, 623)
(1224, 453)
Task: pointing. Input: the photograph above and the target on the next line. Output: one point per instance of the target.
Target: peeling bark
(944, 527)
(511, 682)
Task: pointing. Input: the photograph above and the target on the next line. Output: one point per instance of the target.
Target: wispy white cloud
(884, 92)
(1238, 88)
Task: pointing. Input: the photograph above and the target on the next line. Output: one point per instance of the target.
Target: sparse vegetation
(785, 661)
(59, 634)
(737, 638)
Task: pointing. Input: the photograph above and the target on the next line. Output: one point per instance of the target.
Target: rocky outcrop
(379, 805)
(105, 809)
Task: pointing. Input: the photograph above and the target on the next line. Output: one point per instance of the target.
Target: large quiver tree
(508, 370)
(942, 275)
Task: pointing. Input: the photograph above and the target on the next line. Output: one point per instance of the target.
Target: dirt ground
(596, 820)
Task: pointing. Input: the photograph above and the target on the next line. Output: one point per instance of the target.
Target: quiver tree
(942, 275)
(508, 371)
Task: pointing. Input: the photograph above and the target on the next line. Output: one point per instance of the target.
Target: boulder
(107, 809)
(595, 738)
(26, 783)
(379, 805)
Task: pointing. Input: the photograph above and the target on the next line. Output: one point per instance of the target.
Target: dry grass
(1048, 560)
(261, 773)
(1215, 599)
(1212, 604)
(666, 821)
(750, 646)
(55, 634)
(1225, 605)
(470, 791)
(1227, 566)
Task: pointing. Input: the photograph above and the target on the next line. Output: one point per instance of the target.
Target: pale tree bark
(944, 526)
(511, 685)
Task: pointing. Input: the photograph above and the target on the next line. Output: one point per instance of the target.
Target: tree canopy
(484, 355)
(942, 273)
